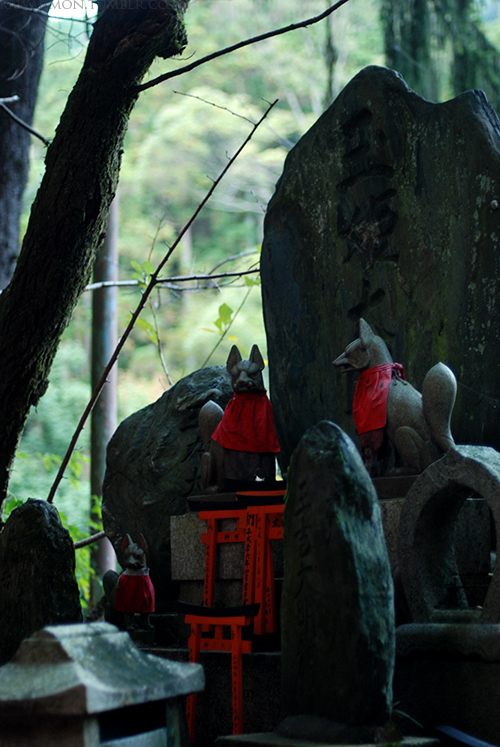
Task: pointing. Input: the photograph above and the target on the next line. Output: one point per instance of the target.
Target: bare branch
(141, 305)
(20, 122)
(178, 279)
(28, 8)
(159, 344)
(231, 258)
(217, 106)
(239, 45)
(89, 540)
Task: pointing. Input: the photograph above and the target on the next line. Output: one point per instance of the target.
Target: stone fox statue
(384, 403)
(240, 442)
(130, 592)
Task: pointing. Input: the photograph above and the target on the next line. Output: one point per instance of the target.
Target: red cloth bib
(247, 424)
(369, 407)
(135, 593)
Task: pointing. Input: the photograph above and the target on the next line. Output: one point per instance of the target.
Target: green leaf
(148, 267)
(249, 281)
(225, 313)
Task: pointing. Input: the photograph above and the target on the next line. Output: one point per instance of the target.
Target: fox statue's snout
(417, 424)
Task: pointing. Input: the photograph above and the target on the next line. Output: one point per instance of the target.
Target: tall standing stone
(337, 611)
(37, 575)
(387, 209)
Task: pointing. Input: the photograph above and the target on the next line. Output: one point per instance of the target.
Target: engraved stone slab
(387, 209)
(337, 604)
(427, 557)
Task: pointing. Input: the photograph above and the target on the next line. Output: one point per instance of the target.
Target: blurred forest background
(180, 136)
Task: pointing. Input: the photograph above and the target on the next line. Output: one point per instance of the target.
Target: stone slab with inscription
(387, 209)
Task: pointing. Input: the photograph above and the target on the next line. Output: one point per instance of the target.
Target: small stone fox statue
(384, 403)
(132, 591)
(240, 442)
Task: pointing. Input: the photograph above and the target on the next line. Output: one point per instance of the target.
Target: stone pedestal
(448, 660)
(274, 740)
(450, 674)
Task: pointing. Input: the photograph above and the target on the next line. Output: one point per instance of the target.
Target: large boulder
(337, 607)
(387, 209)
(153, 466)
(37, 575)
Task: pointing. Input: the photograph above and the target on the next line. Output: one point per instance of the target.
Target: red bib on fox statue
(248, 424)
(369, 407)
(135, 593)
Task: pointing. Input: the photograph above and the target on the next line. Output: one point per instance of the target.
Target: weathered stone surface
(387, 209)
(153, 465)
(449, 639)
(450, 674)
(57, 665)
(337, 612)
(188, 550)
(37, 575)
(82, 685)
(427, 558)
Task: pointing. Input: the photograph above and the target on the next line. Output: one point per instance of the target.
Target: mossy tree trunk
(21, 58)
(68, 216)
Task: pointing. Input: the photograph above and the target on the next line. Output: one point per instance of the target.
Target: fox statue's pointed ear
(233, 358)
(143, 543)
(256, 357)
(365, 334)
(127, 540)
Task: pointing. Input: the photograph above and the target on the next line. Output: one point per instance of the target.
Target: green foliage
(443, 47)
(177, 143)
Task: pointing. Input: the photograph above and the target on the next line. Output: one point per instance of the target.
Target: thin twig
(217, 106)
(179, 278)
(227, 328)
(159, 345)
(147, 292)
(239, 45)
(231, 259)
(21, 123)
(89, 540)
(40, 10)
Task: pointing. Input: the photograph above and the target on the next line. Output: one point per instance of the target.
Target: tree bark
(68, 216)
(21, 59)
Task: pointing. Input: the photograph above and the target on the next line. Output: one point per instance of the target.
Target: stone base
(450, 674)
(261, 692)
(271, 739)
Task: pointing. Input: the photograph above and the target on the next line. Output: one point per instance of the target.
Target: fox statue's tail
(438, 398)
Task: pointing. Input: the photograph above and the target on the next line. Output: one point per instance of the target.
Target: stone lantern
(86, 685)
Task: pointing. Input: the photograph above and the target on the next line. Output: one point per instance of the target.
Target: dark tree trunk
(68, 215)
(21, 59)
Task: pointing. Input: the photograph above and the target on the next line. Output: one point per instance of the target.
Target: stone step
(271, 739)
